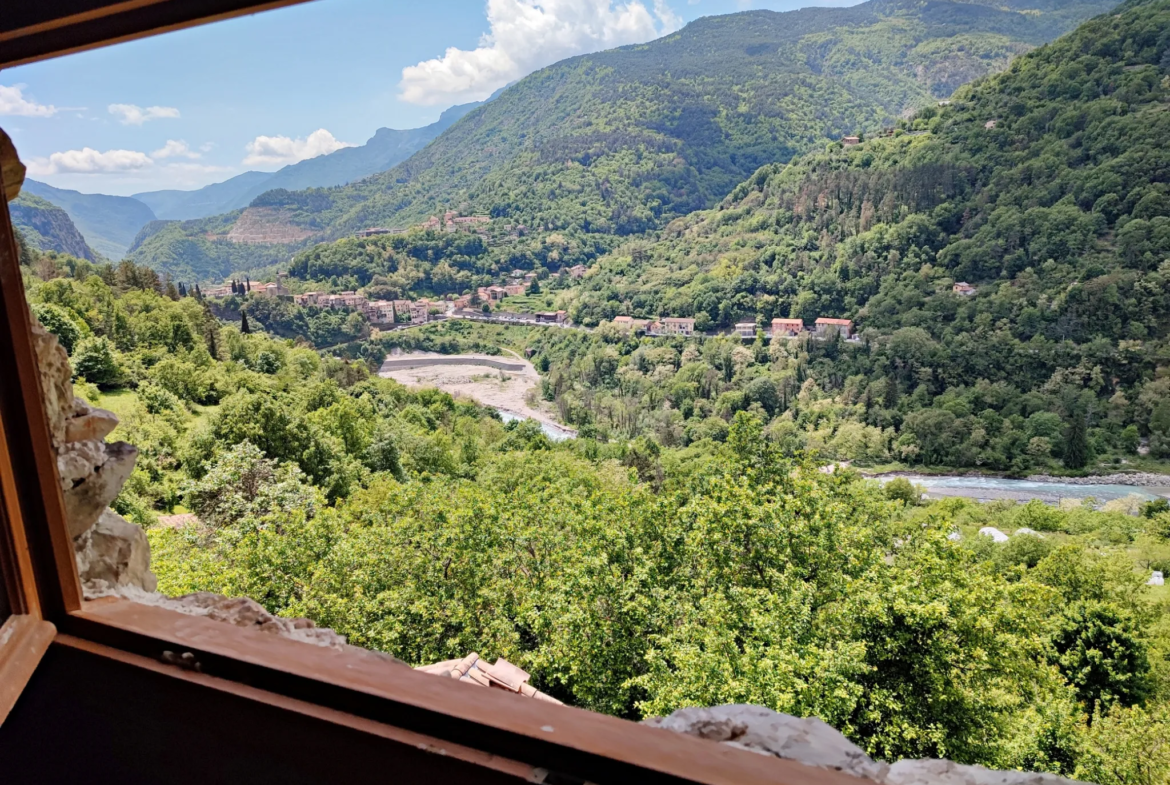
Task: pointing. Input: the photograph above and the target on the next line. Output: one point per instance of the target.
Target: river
(554, 432)
(991, 488)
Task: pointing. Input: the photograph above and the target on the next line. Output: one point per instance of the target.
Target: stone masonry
(816, 743)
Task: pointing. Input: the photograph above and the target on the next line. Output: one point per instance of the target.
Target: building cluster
(824, 327)
(375, 311)
(248, 286)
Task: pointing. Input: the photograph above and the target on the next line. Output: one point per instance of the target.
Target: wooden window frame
(491, 728)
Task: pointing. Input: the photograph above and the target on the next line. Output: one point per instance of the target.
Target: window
(466, 733)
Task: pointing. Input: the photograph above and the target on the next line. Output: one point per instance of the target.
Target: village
(390, 313)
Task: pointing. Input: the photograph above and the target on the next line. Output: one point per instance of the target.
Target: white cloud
(175, 149)
(13, 102)
(129, 114)
(270, 150)
(529, 34)
(89, 161)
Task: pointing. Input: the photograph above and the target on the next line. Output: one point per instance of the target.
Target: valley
(816, 360)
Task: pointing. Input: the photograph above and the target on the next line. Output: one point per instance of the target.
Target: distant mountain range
(110, 224)
(386, 148)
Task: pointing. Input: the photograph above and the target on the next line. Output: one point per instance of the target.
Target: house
(514, 290)
(308, 298)
(463, 301)
(550, 317)
(492, 293)
(431, 223)
(990, 124)
(787, 328)
(577, 271)
(380, 312)
(849, 141)
(945, 102)
(218, 291)
(963, 289)
(631, 324)
(677, 326)
(470, 220)
(420, 312)
(746, 330)
(826, 327)
(401, 310)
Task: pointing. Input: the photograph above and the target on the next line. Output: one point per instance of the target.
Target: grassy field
(122, 403)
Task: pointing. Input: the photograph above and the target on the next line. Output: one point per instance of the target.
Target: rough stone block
(114, 553)
(944, 772)
(809, 740)
(91, 423)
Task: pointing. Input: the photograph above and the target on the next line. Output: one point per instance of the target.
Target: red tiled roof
(503, 675)
(826, 320)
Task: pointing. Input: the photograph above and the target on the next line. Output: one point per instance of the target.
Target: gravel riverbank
(1136, 479)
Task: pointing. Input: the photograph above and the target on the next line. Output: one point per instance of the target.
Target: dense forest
(629, 578)
(619, 142)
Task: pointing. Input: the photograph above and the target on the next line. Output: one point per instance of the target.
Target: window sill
(586, 745)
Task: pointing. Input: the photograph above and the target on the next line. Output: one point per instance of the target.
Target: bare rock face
(114, 553)
(56, 387)
(815, 743)
(810, 740)
(92, 474)
(943, 772)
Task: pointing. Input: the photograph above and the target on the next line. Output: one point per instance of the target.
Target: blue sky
(198, 106)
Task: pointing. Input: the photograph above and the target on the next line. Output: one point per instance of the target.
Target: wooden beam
(30, 462)
(48, 31)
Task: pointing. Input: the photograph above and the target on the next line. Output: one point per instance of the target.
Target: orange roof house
(503, 675)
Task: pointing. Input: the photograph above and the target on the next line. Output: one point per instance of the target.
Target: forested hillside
(620, 142)
(47, 227)
(1047, 189)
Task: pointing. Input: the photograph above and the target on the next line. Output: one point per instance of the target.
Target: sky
(198, 106)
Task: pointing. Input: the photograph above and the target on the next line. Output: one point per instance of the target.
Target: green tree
(96, 362)
(1101, 656)
(57, 320)
(1076, 443)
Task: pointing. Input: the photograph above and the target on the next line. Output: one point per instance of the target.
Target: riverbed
(502, 382)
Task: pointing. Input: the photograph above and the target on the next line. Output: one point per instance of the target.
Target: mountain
(1045, 190)
(208, 200)
(47, 227)
(620, 142)
(108, 223)
(384, 149)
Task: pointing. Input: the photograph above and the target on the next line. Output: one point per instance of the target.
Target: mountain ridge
(621, 142)
(381, 151)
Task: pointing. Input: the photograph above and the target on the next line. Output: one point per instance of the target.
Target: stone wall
(816, 743)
